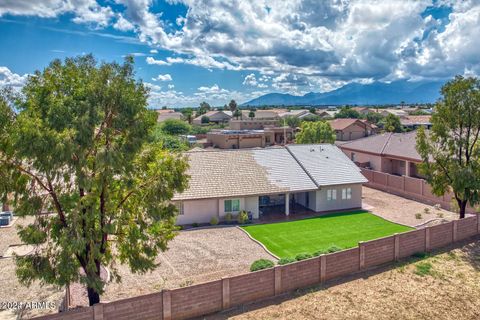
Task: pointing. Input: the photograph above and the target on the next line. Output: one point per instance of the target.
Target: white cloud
(163, 77)
(154, 51)
(123, 24)
(10, 79)
(151, 60)
(251, 80)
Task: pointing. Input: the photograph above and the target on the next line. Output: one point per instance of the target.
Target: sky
(189, 51)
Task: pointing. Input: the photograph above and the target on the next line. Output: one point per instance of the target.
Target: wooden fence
(214, 296)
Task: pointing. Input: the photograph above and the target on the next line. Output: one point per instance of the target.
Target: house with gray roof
(392, 153)
(277, 180)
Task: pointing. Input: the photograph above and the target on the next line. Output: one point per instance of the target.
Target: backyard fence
(408, 187)
(214, 296)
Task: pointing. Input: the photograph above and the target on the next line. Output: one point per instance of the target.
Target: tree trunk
(463, 207)
(93, 296)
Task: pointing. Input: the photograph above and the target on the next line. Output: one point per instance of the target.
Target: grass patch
(344, 230)
(423, 269)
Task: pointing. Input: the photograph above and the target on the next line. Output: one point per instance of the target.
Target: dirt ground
(450, 290)
(402, 210)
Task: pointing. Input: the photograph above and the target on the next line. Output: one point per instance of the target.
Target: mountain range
(375, 93)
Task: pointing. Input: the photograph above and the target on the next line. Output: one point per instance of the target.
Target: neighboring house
(165, 114)
(301, 113)
(278, 180)
(251, 124)
(270, 114)
(395, 112)
(239, 139)
(392, 153)
(351, 129)
(363, 110)
(215, 116)
(327, 114)
(413, 122)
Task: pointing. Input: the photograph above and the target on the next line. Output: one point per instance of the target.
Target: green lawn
(287, 239)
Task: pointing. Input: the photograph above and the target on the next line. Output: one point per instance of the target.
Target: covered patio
(281, 207)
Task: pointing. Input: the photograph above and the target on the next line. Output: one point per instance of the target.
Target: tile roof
(401, 145)
(233, 173)
(415, 120)
(326, 164)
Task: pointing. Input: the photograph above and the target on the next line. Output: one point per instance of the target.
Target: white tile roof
(326, 164)
(234, 173)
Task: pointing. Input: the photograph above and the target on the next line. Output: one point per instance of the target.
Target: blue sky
(189, 51)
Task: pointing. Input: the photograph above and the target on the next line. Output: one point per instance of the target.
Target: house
(413, 122)
(165, 114)
(239, 139)
(277, 180)
(363, 110)
(215, 116)
(269, 114)
(395, 112)
(327, 114)
(300, 113)
(351, 129)
(392, 153)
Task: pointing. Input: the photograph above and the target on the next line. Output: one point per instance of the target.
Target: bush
(418, 215)
(334, 248)
(423, 269)
(261, 264)
(214, 221)
(319, 253)
(242, 217)
(205, 119)
(285, 261)
(195, 224)
(426, 211)
(175, 127)
(303, 256)
(229, 217)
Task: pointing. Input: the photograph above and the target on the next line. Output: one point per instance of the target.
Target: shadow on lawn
(470, 247)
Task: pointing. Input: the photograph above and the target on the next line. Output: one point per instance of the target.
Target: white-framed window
(180, 208)
(331, 194)
(346, 193)
(232, 205)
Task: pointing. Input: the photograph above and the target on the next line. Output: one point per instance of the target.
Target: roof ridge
(302, 166)
(386, 142)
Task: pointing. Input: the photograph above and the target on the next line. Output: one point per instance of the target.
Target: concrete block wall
(214, 296)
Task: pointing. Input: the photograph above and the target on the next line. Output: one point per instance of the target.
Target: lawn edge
(258, 242)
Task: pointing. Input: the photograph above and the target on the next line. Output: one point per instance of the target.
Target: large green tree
(391, 123)
(75, 153)
(347, 112)
(450, 150)
(175, 126)
(315, 132)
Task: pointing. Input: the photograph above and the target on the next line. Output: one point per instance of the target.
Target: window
(232, 205)
(346, 193)
(331, 194)
(180, 208)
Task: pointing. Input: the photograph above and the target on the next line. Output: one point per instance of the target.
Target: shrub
(242, 217)
(426, 211)
(195, 224)
(334, 248)
(261, 264)
(214, 221)
(302, 256)
(319, 253)
(286, 261)
(205, 119)
(418, 215)
(420, 255)
(440, 214)
(229, 217)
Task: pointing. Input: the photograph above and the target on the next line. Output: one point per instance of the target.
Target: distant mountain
(356, 93)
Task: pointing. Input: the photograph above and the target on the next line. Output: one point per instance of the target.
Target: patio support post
(407, 168)
(287, 204)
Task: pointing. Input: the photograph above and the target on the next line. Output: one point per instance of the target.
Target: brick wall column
(278, 280)
(225, 293)
(361, 247)
(98, 311)
(396, 247)
(427, 239)
(167, 304)
(454, 230)
(323, 267)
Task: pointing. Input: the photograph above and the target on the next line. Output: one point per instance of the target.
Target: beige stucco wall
(322, 204)
(353, 132)
(251, 204)
(198, 211)
(375, 161)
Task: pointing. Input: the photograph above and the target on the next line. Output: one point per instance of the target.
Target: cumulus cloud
(163, 77)
(84, 11)
(251, 80)
(11, 79)
(123, 24)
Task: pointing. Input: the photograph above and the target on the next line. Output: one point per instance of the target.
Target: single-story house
(215, 116)
(392, 153)
(239, 139)
(327, 114)
(298, 113)
(363, 110)
(165, 114)
(395, 112)
(413, 122)
(351, 129)
(277, 180)
(268, 114)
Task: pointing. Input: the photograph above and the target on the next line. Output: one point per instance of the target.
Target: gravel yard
(402, 210)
